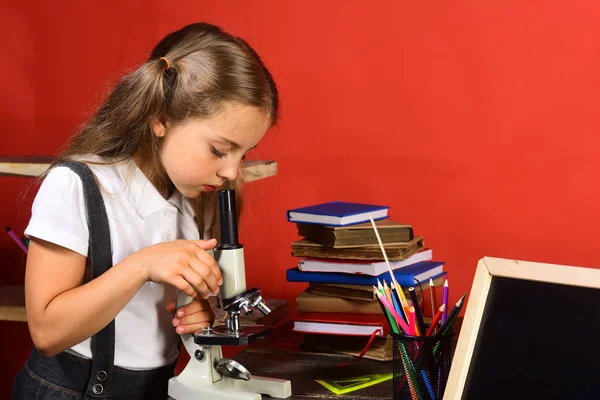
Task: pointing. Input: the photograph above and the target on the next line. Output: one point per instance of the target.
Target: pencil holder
(421, 366)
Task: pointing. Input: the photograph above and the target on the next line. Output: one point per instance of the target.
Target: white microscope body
(209, 376)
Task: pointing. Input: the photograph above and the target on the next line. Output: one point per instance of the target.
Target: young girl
(100, 296)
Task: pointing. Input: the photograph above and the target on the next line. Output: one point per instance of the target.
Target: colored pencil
(386, 290)
(395, 314)
(428, 384)
(380, 287)
(446, 325)
(435, 320)
(432, 298)
(390, 318)
(419, 315)
(445, 300)
(401, 295)
(411, 321)
(16, 239)
(409, 372)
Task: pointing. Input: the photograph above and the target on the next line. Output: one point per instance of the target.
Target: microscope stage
(220, 335)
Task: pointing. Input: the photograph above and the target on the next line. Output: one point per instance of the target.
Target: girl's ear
(158, 127)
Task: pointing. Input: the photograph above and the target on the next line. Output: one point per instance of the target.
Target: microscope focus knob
(245, 308)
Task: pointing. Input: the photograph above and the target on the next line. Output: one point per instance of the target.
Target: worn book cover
(394, 251)
(356, 235)
(362, 292)
(367, 267)
(311, 302)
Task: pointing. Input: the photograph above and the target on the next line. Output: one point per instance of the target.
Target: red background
(476, 122)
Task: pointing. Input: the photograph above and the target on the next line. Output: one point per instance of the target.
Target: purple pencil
(16, 238)
(445, 301)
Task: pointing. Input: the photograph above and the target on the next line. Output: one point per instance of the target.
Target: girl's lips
(209, 188)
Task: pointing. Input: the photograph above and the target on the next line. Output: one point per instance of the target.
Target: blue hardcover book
(405, 276)
(337, 213)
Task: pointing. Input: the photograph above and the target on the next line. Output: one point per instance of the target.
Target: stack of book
(341, 260)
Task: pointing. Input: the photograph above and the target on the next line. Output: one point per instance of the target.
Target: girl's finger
(211, 263)
(194, 307)
(191, 328)
(196, 282)
(199, 317)
(184, 286)
(171, 307)
(205, 273)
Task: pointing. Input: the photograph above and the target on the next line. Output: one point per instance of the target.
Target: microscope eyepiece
(227, 220)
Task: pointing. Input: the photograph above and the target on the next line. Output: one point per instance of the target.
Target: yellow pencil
(388, 294)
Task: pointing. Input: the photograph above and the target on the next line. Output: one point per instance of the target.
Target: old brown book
(394, 251)
(356, 235)
(311, 302)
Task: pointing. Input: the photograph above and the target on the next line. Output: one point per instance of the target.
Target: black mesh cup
(421, 366)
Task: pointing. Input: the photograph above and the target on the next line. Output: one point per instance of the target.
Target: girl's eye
(217, 153)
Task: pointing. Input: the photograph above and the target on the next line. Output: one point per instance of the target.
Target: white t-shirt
(138, 217)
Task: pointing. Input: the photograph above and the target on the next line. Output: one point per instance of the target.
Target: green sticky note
(347, 385)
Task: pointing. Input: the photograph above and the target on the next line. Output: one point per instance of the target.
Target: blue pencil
(428, 385)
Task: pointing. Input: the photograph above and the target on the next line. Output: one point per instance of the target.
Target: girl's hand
(192, 317)
(184, 264)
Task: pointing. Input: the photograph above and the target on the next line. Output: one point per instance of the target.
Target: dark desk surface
(303, 368)
(280, 356)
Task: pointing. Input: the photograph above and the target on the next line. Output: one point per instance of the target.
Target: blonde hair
(191, 73)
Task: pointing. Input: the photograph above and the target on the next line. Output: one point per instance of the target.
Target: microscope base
(200, 380)
(231, 389)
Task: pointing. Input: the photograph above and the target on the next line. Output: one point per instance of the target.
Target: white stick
(383, 251)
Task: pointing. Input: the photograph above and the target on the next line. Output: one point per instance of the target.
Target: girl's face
(201, 154)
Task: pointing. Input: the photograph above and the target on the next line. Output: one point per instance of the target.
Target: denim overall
(68, 377)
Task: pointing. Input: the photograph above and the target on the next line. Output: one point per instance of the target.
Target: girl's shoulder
(110, 174)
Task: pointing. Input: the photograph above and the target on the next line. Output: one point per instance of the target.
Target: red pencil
(436, 319)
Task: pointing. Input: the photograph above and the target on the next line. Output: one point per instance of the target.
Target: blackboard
(536, 340)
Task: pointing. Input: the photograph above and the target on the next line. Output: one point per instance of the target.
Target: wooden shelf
(33, 166)
(12, 303)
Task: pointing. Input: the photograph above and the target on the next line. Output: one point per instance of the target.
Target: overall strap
(100, 255)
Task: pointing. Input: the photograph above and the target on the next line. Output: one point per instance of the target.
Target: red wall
(475, 122)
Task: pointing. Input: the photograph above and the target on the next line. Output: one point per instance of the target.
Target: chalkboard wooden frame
(487, 269)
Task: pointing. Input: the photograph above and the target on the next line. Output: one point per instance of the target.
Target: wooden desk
(303, 368)
(281, 356)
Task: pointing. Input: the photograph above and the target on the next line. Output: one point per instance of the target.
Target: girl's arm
(61, 312)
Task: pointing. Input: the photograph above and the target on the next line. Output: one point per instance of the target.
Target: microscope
(209, 376)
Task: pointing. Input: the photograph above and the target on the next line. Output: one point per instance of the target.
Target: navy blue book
(337, 213)
(410, 275)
